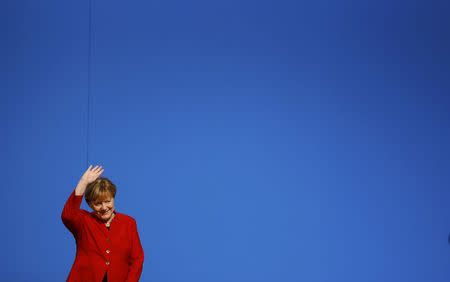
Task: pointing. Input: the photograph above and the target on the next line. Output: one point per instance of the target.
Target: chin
(105, 217)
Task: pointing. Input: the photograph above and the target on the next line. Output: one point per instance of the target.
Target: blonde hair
(100, 189)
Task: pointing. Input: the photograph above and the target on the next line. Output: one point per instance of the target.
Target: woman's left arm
(136, 259)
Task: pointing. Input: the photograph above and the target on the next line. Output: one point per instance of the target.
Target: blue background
(252, 140)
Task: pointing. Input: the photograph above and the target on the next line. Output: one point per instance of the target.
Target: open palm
(92, 174)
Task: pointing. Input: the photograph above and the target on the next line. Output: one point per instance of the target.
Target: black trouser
(105, 279)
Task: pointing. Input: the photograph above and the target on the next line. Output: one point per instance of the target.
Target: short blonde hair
(100, 189)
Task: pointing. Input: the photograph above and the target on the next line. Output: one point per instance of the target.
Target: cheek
(109, 207)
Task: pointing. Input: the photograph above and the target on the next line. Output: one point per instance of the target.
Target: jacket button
(107, 239)
(107, 262)
(107, 251)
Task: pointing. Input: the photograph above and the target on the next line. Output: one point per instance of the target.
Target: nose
(104, 207)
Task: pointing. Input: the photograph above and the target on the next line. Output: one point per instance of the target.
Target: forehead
(103, 196)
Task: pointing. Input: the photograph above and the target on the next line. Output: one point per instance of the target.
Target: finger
(98, 169)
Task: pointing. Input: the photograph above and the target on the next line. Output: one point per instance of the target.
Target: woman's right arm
(71, 214)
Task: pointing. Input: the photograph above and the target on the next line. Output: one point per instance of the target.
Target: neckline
(112, 220)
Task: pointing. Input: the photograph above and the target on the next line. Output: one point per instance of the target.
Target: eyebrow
(105, 200)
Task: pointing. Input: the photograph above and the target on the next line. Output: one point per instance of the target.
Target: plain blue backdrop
(253, 141)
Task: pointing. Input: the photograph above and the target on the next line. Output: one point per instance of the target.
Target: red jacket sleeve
(136, 259)
(71, 215)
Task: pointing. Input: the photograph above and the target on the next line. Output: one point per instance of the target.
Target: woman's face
(103, 208)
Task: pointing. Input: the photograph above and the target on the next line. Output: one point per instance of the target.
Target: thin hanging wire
(88, 122)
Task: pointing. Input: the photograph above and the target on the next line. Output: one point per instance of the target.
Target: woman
(108, 244)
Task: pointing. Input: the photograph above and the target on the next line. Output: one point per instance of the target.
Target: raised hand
(92, 174)
(89, 176)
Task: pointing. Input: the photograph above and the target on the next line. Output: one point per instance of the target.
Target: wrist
(81, 187)
(83, 182)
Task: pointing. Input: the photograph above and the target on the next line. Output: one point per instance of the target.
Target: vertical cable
(89, 83)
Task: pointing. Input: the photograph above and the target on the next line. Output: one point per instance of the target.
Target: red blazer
(117, 251)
